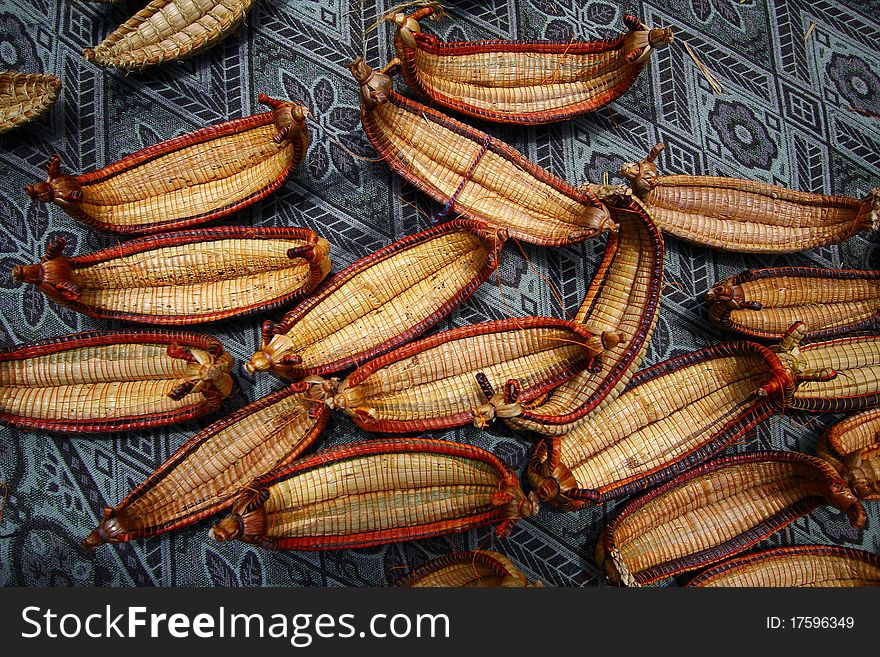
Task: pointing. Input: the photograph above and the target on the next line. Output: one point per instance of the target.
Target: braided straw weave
(187, 277)
(674, 415)
(518, 81)
(473, 174)
(203, 475)
(188, 180)
(371, 493)
(747, 216)
(763, 303)
(471, 569)
(451, 378)
(624, 296)
(98, 381)
(848, 376)
(24, 96)
(719, 509)
(796, 566)
(381, 301)
(853, 448)
(168, 30)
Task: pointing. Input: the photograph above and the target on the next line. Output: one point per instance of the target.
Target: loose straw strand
(809, 31)
(400, 7)
(710, 78)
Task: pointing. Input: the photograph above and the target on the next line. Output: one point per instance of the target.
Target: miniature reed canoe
(203, 475)
(189, 277)
(376, 492)
(747, 216)
(188, 180)
(673, 416)
(381, 301)
(763, 303)
(853, 448)
(795, 566)
(471, 569)
(624, 296)
(25, 96)
(168, 30)
(472, 174)
(524, 82)
(715, 511)
(97, 381)
(467, 375)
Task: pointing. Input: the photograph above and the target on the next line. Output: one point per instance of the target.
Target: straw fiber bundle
(474, 175)
(853, 448)
(467, 375)
(796, 566)
(189, 277)
(624, 296)
(188, 180)
(168, 30)
(747, 216)
(519, 81)
(716, 510)
(96, 381)
(371, 493)
(24, 96)
(673, 416)
(763, 303)
(381, 301)
(471, 569)
(203, 475)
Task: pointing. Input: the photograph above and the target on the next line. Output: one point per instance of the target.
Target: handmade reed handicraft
(189, 277)
(795, 566)
(853, 448)
(188, 180)
(520, 81)
(471, 569)
(372, 493)
(717, 510)
(25, 96)
(468, 375)
(99, 381)
(381, 301)
(673, 416)
(203, 475)
(168, 30)
(747, 216)
(471, 173)
(763, 303)
(624, 296)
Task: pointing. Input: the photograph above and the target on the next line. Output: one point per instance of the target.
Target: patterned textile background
(784, 116)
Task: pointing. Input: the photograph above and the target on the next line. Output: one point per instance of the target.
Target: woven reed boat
(673, 416)
(524, 82)
(376, 492)
(472, 174)
(763, 303)
(99, 381)
(623, 296)
(853, 447)
(715, 511)
(188, 277)
(471, 569)
(203, 475)
(747, 216)
(468, 375)
(168, 30)
(381, 301)
(795, 566)
(25, 96)
(189, 180)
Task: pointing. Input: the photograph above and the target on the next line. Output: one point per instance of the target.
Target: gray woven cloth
(784, 116)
